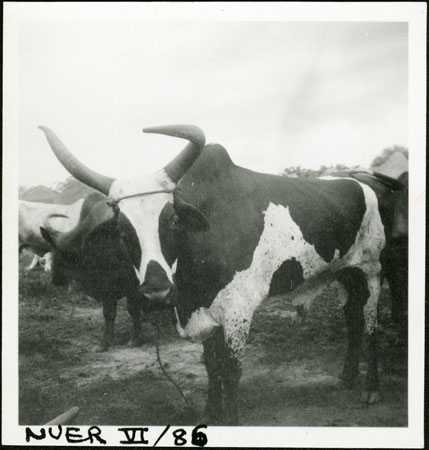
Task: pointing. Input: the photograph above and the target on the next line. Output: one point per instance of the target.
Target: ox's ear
(100, 219)
(190, 217)
(49, 236)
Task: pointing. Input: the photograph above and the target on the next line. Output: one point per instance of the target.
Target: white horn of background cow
(181, 163)
(75, 167)
(64, 418)
(52, 216)
(52, 231)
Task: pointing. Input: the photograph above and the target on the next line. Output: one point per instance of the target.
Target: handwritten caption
(128, 435)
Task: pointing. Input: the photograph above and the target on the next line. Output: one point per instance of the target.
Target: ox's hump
(213, 165)
(90, 201)
(215, 155)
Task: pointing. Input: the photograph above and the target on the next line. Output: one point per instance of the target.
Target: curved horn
(180, 164)
(53, 233)
(51, 216)
(64, 418)
(75, 167)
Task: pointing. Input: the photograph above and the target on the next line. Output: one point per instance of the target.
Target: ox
(101, 260)
(215, 239)
(62, 220)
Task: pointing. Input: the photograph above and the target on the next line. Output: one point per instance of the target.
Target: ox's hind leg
(355, 284)
(361, 311)
(371, 393)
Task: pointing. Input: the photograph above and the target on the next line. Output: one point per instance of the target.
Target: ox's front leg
(231, 379)
(213, 354)
(133, 307)
(33, 264)
(109, 312)
(224, 371)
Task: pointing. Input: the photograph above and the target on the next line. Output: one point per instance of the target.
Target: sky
(274, 94)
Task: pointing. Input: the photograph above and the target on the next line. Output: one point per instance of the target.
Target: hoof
(370, 398)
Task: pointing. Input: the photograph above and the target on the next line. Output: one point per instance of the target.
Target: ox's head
(99, 252)
(154, 222)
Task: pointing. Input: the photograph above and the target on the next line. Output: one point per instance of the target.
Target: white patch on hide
(143, 212)
(174, 266)
(370, 310)
(282, 240)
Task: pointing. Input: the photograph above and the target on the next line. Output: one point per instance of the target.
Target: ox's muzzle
(157, 288)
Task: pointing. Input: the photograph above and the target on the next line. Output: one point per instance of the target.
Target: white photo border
(415, 13)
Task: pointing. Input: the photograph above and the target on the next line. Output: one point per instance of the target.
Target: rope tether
(169, 378)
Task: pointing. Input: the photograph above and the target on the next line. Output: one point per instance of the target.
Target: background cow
(100, 259)
(32, 215)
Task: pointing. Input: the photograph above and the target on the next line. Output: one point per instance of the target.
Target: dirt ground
(290, 374)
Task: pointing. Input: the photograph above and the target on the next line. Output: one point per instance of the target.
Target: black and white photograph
(214, 224)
